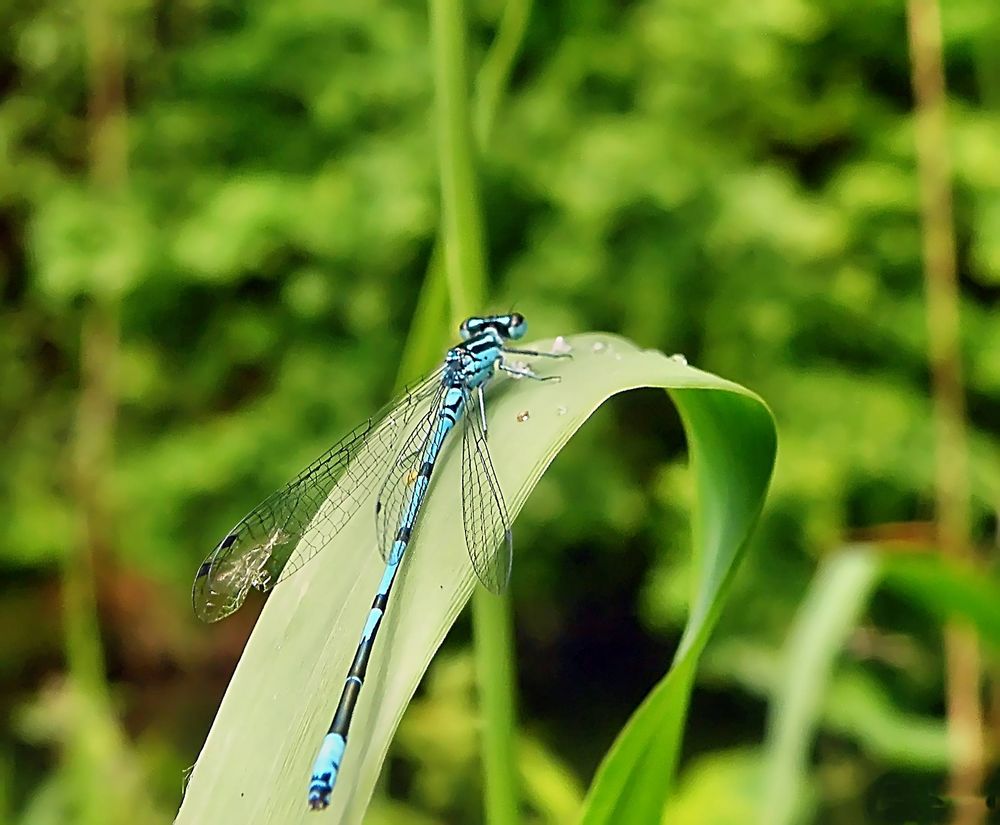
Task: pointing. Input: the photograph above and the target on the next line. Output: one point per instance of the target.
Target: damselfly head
(511, 326)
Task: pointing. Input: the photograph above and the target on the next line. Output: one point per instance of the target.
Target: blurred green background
(197, 300)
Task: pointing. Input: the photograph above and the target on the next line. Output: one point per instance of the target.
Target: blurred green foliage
(732, 181)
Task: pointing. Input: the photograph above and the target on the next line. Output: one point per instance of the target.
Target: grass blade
(838, 594)
(255, 764)
(732, 443)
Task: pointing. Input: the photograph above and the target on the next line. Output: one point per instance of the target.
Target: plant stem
(964, 708)
(92, 734)
(427, 335)
(465, 274)
(495, 673)
(465, 270)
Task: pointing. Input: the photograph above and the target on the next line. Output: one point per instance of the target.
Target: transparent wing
(399, 483)
(484, 513)
(293, 524)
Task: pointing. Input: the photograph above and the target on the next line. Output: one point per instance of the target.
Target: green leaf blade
(837, 596)
(255, 765)
(732, 443)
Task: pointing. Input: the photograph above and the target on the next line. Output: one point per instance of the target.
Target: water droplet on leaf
(561, 346)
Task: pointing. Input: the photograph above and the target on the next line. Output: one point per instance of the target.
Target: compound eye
(518, 326)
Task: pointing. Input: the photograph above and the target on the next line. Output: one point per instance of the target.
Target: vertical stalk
(465, 274)
(89, 749)
(991, 727)
(97, 407)
(427, 335)
(464, 265)
(951, 474)
(495, 674)
(91, 454)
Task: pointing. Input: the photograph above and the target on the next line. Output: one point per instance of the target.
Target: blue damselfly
(390, 450)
